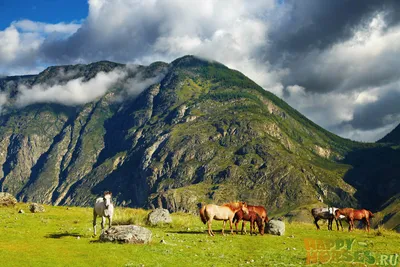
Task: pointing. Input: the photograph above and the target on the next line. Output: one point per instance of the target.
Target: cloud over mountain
(337, 62)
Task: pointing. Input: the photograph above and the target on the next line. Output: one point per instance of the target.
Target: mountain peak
(193, 61)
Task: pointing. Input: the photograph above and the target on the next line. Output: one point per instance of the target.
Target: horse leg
(341, 225)
(337, 224)
(223, 227)
(330, 221)
(231, 226)
(316, 222)
(366, 224)
(236, 224)
(244, 227)
(109, 222)
(209, 227)
(103, 220)
(94, 221)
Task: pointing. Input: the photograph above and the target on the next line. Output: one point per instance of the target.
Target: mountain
(173, 135)
(392, 137)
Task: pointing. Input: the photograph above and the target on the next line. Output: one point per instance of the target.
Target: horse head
(337, 214)
(243, 206)
(107, 199)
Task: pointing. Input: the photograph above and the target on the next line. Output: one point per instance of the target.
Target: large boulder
(35, 208)
(7, 200)
(130, 234)
(276, 227)
(159, 216)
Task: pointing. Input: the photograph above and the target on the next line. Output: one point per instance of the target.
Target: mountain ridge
(198, 132)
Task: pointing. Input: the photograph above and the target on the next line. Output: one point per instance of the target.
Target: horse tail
(202, 214)
(371, 215)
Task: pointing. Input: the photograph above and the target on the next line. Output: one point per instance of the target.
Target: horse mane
(233, 205)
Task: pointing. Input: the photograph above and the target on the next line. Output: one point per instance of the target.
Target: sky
(337, 62)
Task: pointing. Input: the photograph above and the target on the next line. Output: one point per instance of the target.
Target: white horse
(103, 208)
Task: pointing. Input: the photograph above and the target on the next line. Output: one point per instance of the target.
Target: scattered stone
(21, 211)
(163, 241)
(35, 208)
(276, 227)
(292, 236)
(7, 200)
(78, 237)
(294, 248)
(131, 234)
(159, 216)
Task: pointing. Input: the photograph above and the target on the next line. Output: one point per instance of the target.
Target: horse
(103, 208)
(224, 213)
(327, 214)
(260, 210)
(252, 217)
(355, 215)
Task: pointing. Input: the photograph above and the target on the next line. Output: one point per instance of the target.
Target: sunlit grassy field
(62, 236)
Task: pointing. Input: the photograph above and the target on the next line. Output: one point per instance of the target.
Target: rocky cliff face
(198, 132)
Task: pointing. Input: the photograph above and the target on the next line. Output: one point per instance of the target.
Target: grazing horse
(251, 217)
(103, 208)
(355, 215)
(260, 210)
(326, 214)
(221, 213)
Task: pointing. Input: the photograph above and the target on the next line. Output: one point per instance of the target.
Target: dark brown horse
(355, 215)
(251, 217)
(260, 210)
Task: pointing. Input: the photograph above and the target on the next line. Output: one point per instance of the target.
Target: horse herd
(234, 212)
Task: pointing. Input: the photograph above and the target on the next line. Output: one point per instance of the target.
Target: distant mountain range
(177, 135)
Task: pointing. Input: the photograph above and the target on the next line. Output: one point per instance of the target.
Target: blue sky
(337, 62)
(50, 11)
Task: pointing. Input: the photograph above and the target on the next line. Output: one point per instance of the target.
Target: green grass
(51, 239)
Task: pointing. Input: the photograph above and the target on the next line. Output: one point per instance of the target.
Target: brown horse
(355, 215)
(221, 213)
(260, 210)
(251, 217)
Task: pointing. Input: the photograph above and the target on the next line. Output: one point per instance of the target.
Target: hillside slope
(200, 133)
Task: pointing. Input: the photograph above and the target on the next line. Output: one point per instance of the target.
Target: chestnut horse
(260, 210)
(355, 215)
(252, 217)
(226, 212)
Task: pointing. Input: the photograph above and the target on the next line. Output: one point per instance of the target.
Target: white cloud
(74, 92)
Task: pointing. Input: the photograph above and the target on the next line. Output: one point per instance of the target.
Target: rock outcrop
(129, 234)
(7, 200)
(159, 216)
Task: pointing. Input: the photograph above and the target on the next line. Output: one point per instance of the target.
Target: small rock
(35, 208)
(163, 241)
(276, 227)
(131, 234)
(294, 248)
(159, 216)
(21, 211)
(7, 200)
(78, 237)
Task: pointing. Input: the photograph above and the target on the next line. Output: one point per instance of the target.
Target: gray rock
(35, 208)
(159, 216)
(7, 200)
(276, 227)
(130, 234)
(21, 211)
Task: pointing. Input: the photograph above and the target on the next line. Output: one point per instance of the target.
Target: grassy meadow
(62, 236)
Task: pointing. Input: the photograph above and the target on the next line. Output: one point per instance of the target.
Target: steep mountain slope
(200, 132)
(392, 137)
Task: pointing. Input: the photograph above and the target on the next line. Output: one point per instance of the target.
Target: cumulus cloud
(334, 61)
(21, 41)
(74, 92)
